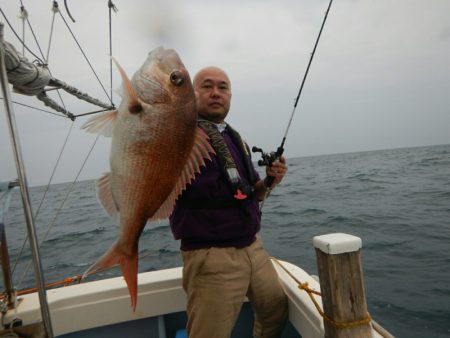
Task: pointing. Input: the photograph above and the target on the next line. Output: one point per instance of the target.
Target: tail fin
(129, 264)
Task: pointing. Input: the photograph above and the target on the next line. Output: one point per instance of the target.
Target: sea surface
(397, 201)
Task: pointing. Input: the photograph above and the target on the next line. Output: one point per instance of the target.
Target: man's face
(213, 92)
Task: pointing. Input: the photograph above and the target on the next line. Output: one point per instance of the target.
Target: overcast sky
(380, 78)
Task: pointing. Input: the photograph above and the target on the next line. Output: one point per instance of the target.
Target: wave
(312, 212)
(76, 236)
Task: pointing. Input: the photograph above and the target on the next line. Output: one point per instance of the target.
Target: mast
(34, 245)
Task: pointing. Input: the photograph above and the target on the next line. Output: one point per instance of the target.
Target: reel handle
(267, 159)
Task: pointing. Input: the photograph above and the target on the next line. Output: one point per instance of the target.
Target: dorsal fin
(101, 124)
(200, 151)
(129, 92)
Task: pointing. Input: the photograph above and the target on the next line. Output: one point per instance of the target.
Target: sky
(380, 77)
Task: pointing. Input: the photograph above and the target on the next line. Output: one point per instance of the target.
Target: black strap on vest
(240, 191)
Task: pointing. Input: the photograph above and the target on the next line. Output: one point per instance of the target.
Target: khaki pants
(217, 280)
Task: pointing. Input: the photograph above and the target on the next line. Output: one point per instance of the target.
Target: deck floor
(148, 328)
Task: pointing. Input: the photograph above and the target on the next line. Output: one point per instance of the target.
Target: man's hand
(277, 170)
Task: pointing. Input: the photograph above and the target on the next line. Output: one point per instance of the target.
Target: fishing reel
(266, 158)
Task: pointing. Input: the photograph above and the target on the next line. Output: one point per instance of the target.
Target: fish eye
(176, 78)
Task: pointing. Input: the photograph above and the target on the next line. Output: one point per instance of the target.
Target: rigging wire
(40, 59)
(20, 39)
(60, 207)
(55, 9)
(111, 7)
(34, 36)
(51, 34)
(47, 188)
(92, 112)
(35, 108)
(23, 15)
(86, 58)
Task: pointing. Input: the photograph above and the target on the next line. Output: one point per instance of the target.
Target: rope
(79, 94)
(304, 286)
(68, 280)
(42, 96)
(65, 282)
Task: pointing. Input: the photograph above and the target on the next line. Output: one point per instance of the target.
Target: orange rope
(310, 292)
(65, 282)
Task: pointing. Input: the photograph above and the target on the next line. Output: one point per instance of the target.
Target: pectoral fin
(102, 124)
(106, 198)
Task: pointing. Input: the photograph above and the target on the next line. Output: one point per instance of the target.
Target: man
(217, 219)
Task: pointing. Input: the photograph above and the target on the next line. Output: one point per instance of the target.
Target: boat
(102, 308)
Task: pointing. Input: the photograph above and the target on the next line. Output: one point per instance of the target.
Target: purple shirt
(231, 226)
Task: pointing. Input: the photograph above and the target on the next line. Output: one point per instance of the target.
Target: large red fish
(156, 150)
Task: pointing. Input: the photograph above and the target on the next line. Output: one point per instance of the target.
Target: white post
(342, 286)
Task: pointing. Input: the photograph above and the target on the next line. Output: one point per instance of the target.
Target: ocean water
(397, 201)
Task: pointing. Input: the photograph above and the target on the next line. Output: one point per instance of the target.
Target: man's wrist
(265, 184)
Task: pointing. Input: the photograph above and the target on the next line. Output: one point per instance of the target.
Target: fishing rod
(268, 158)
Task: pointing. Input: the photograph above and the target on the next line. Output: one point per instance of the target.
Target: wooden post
(342, 286)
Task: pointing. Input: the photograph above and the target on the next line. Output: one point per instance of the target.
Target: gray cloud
(379, 79)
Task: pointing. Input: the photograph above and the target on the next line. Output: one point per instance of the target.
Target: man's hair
(196, 77)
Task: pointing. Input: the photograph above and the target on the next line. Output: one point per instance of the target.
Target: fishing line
(268, 159)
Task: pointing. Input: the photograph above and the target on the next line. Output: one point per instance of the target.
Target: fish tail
(129, 264)
(129, 267)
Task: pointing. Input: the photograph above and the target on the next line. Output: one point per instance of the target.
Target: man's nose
(215, 92)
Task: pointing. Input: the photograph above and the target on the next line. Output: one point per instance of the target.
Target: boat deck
(168, 326)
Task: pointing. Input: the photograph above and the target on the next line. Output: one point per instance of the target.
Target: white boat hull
(106, 302)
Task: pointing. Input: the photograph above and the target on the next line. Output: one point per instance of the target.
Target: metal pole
(45, 312)
(6, 268)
